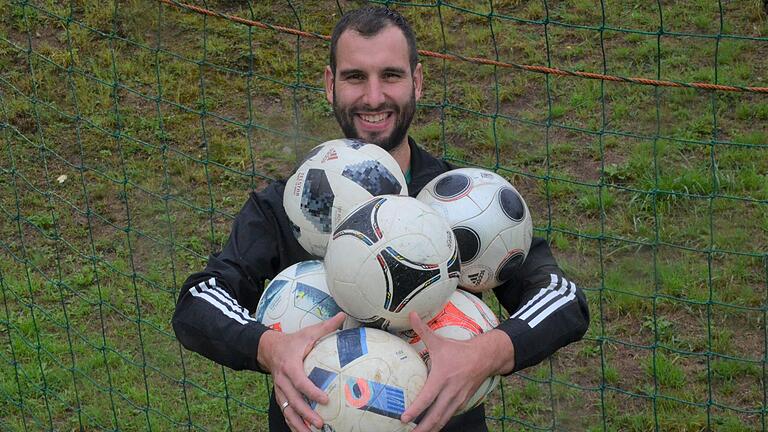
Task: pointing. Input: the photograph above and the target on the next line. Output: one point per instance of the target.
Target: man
(373, 82)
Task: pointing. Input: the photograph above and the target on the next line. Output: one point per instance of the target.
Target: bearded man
(373, 83)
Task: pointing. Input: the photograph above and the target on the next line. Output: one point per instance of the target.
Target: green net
(133, 131)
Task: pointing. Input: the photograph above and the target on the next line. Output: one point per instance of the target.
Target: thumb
(321, 329)
(421, 329)
(329, 326)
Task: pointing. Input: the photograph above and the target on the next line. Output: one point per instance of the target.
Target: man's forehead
(387, 48)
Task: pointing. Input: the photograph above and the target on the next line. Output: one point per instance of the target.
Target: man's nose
(374, 93)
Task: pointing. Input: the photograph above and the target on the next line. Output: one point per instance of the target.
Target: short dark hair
(369, 21)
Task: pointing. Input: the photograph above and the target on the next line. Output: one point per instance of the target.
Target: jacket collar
(424, 167)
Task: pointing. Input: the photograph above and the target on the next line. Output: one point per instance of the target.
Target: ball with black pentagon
(392, 255)
(334, 177)
(490, 219)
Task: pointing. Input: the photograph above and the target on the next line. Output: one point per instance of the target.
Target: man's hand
(458, 369)
(282, 354)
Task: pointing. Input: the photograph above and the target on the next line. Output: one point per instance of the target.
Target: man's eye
(391, 76)
(355, 77)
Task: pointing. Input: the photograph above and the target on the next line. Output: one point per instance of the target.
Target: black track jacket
(212, 315)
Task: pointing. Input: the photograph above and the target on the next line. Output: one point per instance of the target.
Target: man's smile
(374, 122)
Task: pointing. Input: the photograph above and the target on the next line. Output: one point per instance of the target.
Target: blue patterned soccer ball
(336, 176)
(370, 377)
(491, 222)
(392, 255)
(296, 298)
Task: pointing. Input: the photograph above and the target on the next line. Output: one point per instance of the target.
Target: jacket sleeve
(212, 315)
(547, 311)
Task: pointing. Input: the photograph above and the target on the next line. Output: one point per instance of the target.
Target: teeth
(373, 118)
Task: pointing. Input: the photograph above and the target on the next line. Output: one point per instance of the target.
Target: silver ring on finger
(284, 405)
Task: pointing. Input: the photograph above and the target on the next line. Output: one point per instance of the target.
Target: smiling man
(373, 83)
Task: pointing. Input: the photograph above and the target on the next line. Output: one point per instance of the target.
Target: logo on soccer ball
(368, 395)
(331, 155)
(273, 291)
(476, 278)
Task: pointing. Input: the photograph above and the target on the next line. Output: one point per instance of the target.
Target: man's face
(374, 92)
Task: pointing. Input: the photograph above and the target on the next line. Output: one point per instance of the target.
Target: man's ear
(418, 81)
(329, 84)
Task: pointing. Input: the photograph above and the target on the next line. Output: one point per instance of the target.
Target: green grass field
(132, 132)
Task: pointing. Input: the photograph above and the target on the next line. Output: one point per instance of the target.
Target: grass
(654, 200)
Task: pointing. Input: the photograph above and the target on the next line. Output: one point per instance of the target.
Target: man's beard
(403, 117)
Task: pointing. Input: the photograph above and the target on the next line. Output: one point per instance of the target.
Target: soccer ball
(351, 322)
(463, 317)
(296, 298)
(334, 177)
(392, 255)
(370, 377)
(491, 222)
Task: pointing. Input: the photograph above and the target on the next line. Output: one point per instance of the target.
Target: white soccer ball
(336, 176)
(390, 256)
(491, 222)
(350, 322)
(296, 298)
(370, 377)
(463, 317)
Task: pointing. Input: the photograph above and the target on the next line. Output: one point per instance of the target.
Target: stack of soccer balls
(385, 255)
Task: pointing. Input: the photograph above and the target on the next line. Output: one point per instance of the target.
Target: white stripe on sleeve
(554, 306)
(226, 299)
(220, 300)
(534, 301)
(547, 299)
(215, 303)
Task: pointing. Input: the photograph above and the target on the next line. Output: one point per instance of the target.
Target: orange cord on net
(480, 60)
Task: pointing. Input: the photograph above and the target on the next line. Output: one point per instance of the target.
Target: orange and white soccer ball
(463, 317)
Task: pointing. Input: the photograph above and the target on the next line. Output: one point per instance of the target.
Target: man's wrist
(266, 342)
(499, 350)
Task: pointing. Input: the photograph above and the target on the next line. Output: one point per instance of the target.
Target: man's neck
(402, 154)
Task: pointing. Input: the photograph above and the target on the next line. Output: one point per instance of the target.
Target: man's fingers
(294, 421)
(294, 379)
(328, 326)
(290, 416)
(421, 329)
(438, 414)
(319, 330)
(424, 399)
(297, 405)
(334, 323)
(307, 387)
(304, 386)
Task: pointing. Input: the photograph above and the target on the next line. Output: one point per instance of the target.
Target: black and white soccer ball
(490, 219)
(370, 376)
(336, 176)
(392, 255)
(297, 298)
